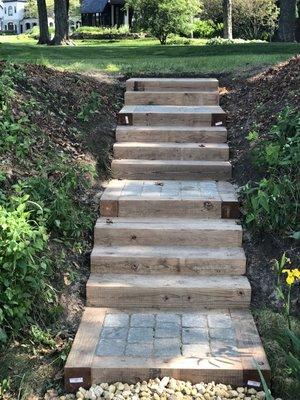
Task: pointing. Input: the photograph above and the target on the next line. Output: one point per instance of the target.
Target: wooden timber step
(172, 115)
(168, 260)
(171, 151)
(171, 84)
(188, 98)
(125, 345)
(171, 169)
(167, 291)
(201, 199)
(167, 232)
(178, 134)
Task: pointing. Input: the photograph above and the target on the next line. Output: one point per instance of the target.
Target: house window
(15, 9)
(4, 10)
(10, 11)
(27, 26)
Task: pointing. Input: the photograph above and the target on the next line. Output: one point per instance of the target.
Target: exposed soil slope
(254, 102)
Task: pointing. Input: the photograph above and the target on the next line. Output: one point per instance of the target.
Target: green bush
(57, 192)
(207, 29)
(94, 32)
(23, 267)
(34, 32)
(272, 204)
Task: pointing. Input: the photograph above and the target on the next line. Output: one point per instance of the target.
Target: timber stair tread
(167, 291)
(168, 259)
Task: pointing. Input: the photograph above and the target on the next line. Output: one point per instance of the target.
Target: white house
(14, 18)
(1, 15)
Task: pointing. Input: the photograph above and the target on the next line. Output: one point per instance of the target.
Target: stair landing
(134, 345)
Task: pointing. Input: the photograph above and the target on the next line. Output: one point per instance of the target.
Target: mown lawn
(146, 57)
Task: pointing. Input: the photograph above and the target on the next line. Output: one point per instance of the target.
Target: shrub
(272, 204)
(94, 32)
(34, 32)
(24, 269)
(161, 18)
(207, 29)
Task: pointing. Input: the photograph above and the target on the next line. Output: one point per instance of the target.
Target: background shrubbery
(252, 19)
(94, 32)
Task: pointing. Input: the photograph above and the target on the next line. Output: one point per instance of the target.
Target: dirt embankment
(254, 102)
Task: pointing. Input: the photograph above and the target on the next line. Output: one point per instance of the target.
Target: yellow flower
(292, 275)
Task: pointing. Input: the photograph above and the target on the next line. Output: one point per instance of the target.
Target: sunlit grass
(146, 56)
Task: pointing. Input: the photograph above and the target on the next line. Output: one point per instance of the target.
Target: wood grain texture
(179, 134)
(171, 169)
(171, 84)
(208, 98)
(168, 260)
(167, 291)
(167, 231)
(172, 151)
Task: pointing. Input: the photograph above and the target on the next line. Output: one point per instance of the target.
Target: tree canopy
(163, 17)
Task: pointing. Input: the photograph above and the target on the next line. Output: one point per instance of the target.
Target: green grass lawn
(147, 56)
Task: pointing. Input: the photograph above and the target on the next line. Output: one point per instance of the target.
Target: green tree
(162, 17)
(252, 19)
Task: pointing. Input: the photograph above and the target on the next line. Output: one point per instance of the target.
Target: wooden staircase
(167, 293)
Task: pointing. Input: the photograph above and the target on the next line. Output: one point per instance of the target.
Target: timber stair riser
(171, 169)
(172, 98)
(133, 115)
(168, 260)
(171, 134)
(179, 232)
(167, 295)
(167, 292)
(166, 85)
(149, 151)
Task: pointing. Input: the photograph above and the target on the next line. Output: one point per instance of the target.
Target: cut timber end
(227, 357)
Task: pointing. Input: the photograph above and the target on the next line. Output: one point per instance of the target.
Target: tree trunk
(61, 11)
(227, 19)
(43, 22)
(287, 21)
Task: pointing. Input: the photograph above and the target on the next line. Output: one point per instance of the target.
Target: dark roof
(97, 6)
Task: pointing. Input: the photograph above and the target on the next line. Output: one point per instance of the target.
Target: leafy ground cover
(146, 57)
(56, 131)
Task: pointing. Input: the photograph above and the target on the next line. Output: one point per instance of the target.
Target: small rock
(240, 390)
(206, 396)
(200, 388)
(252, 391)
(164, 382)
(234, 393)
(120, 386)
(261, 395)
